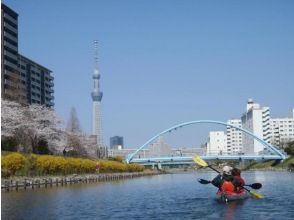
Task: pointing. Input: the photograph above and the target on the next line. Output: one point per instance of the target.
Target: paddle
(253, 185)
(203, 163)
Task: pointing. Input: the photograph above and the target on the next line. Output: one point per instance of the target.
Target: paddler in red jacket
(237, 175)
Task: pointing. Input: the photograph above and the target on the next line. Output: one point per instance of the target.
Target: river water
(169, 196)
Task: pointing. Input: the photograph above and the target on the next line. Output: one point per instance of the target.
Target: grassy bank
(287, 164)
(17, 164)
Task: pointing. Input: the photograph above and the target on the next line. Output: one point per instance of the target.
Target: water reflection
(231, 208)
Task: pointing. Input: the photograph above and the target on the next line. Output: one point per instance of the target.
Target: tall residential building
(234, 137)
(282, 130)
(217, 143)
(38, 82)
(97, 97)
(10, 79)
(257, 120)
(117, 143)
(22, 79)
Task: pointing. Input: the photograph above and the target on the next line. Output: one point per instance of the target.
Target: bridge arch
(267, 145)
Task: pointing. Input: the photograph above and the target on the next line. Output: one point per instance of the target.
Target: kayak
(231, 196)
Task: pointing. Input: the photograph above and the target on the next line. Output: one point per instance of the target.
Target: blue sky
(162, 62)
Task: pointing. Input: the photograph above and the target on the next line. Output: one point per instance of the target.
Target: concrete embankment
(17, 183)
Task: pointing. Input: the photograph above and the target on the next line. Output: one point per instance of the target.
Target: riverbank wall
(24, 183)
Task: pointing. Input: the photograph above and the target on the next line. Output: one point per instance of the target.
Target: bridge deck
(188, 159)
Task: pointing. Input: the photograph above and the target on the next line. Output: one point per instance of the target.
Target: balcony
(51, 78)
(9, 27)
(12, 47)
(35, 83)
(10, 18)
(49, 96)
(49, 90)
(11, 55)
(10, 83)
(49, 104)
(51, 83)
(6, 34)
(11, 65)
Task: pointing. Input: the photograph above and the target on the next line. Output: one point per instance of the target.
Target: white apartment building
(282, 130)
(234, 137)
(257, 120)
(217, 143)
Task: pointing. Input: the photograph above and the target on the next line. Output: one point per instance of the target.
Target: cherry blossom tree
(30, 124)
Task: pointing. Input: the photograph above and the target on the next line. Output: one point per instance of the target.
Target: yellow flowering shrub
(51, 164)
(13, 162)
(73, 165)
(88, 166)
(47, 164)
(113, 166)
(135, 167)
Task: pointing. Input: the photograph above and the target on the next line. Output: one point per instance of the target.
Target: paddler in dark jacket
(226, 182)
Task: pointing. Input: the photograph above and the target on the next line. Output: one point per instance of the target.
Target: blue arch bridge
(275, 154)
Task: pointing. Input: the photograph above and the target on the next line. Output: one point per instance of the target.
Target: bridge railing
(185, 160)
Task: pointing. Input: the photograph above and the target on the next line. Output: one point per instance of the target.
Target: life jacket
(227, 186)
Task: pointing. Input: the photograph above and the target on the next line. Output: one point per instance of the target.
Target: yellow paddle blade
(256, 195)
(199, 161)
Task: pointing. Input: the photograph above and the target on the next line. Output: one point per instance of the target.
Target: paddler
(237, 175)
(226, 181)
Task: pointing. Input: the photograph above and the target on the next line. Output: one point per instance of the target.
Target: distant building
(22, 80)
(160, 148)
(234, 137)
(117, 143)
(282, 130)
(217, 143)
(187, 151)
(257, 120)
(124, 153)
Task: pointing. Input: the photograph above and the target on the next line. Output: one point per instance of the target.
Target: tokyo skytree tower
(97, 97)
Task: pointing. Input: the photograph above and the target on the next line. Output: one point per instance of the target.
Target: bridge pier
(159, 166)
(242, 164)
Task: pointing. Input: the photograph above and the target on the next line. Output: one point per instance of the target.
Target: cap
(227, 169)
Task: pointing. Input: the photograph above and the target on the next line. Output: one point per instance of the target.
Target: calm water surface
(171, 196)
